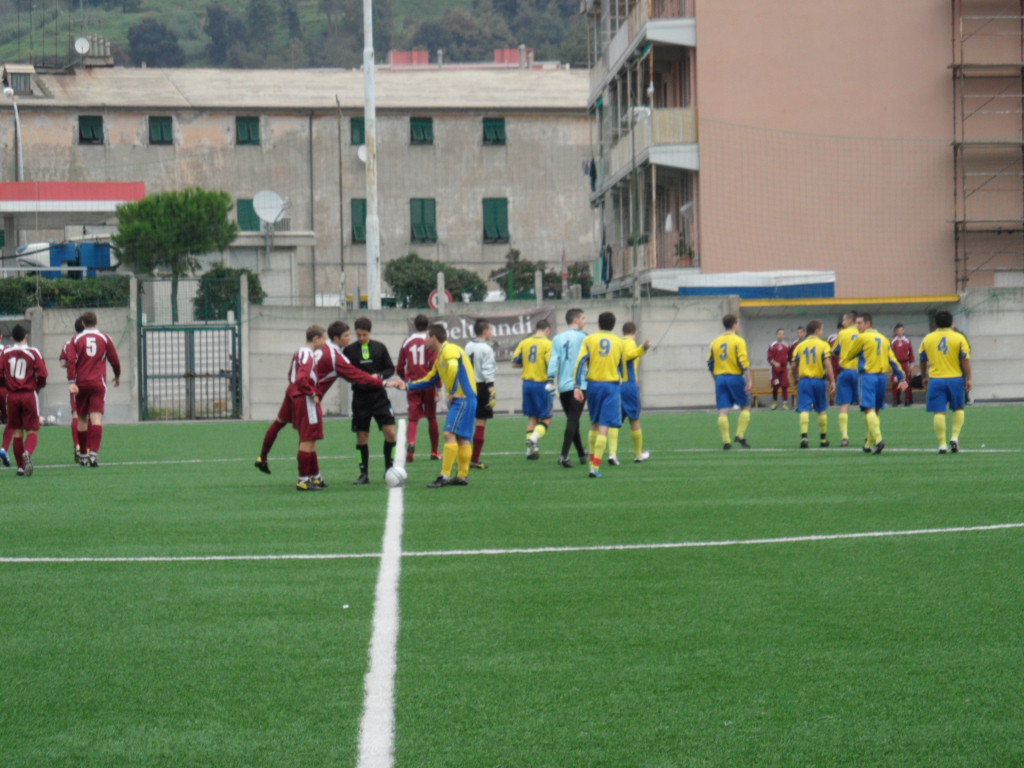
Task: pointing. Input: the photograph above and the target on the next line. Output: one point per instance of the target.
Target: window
(421, 130)
(21, 82)
(423, 218)
(358, 219)
(161, 130)
(90, 129)
(495, 220)
(247, 131)
(248, 221)
(357, 127)
(494, 131)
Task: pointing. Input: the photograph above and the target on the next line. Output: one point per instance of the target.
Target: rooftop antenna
(268, 206)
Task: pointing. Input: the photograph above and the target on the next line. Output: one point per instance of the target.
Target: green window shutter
(357, 127)
(90, 129)
(358, 220)
(3, 239)
(494, 131)
(421, 130)
(495, 220)
(423, 219)
(248, 221)
(247, 131)
(161, 130)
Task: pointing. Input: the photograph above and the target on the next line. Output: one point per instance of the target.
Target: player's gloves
(550, 386)
(493, 400)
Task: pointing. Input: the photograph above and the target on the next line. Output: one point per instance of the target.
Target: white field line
(526, 550)
(377, 727)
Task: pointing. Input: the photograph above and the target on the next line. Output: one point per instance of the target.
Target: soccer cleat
(318, 482)
(458, 481)
(20, 472)
(613, 461)
(584, 458)
(363, 479)
(844, 443)
(954, 445)
(824, 443)
(409, 451)
(742, 441)
(563, 461)
(26, 459)
(785, 406)
(307, 485)
(943, 448)
(594, 473)
(533, 456)
(775, 406)
(440, 482)
(866, 448)
(879, 447)
(94, 460)
(804, 443)
(642, 457)
(83, 460)
(435, 456)
(261, 465)
(477, 465)
(726, 446)
(5, 458)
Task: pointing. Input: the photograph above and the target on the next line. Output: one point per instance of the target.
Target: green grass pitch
(701, 609)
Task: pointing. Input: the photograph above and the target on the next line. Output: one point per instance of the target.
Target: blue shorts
(604, 403)
(461, 420)
(730, 390)
(536, 400)
(873, 387)
(811, 396)
(629, 394)
(848, 387)
(945, 392)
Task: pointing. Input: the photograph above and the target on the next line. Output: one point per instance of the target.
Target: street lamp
(9, 93)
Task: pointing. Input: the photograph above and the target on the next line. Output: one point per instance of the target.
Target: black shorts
(366, 409)
(484, 409)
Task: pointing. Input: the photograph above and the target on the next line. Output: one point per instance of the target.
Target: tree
(151, 41)
(167, 231)
(219, 290)
(518, 274)
(413, 278)
(463, 37)
(224, 31)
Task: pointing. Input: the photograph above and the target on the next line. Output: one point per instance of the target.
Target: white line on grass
(527, 550)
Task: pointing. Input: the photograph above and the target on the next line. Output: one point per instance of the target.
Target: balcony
(659, 136)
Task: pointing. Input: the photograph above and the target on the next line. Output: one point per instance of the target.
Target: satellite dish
(82, 45)
(361, 152)
(268, 206)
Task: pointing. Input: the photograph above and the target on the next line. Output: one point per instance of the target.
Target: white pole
(370, 124)
(17, 138)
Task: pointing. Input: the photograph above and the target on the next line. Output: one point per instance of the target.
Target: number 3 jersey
(88, 356)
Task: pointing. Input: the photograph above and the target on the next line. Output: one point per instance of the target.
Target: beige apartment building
(473, 161)
(808, 149)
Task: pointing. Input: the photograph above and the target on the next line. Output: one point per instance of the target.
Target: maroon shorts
(91, 398)
(307, 418)
(284, 413)
(422, 404)
(23, 410)
(780, 377)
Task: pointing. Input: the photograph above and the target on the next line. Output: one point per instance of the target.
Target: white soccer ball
(51, 420)
(395, 477)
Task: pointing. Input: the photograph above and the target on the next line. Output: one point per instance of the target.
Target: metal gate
(189, 368)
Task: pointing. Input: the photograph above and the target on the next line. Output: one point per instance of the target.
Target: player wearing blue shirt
(565, 348)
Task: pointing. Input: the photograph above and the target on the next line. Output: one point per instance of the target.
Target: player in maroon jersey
(778, 357)
(23, 373)
(88, 356)
(415, 360)
(903, 348)
(3, 407)
(63, 360)
(302, 398)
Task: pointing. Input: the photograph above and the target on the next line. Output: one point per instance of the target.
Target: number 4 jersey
(88, 356)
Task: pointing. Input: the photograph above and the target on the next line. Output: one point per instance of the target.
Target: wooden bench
(760, 384)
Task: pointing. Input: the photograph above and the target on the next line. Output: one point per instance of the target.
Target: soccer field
(763, 607)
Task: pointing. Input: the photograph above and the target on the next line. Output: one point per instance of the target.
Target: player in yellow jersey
(532, 355)
(630, 397)
(729, 363)
(848, 383)
(876, 361)
(600, 362)
(812, 364)
(455, 371)
(946, 371)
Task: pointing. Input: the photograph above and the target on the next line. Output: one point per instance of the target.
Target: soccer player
(3, 409)
(485, 368)
(532, 354)
(565, 348)
(872, 352)
(414, 360)
(729, 363)
(946, 372)
(371, 403)
(778, 358)
(629, 395)
(23, 374)
(848, 383)
(903, 348)
(833, 361)
(88, 356)
(455, 371)
(600, 362)
(76, 437)
(303, 397)
(812, 364)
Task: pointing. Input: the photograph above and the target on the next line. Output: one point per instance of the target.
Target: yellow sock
(874, 427)
(823, 423)
(591, 440)
(844, 425)
(958, 423)
(939, 423)
(539, 431)
(723, 428)
(613, 441)
(451, 452)
(638, 441)
(743, 423)
(465, 453)
(600, 443)
(805, 419)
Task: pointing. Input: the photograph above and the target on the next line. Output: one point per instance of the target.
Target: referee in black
(371, 403)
